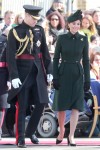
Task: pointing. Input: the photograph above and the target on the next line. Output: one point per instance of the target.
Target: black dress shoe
(21, 144)
(58, 141)
(69, 143)
(34, 139)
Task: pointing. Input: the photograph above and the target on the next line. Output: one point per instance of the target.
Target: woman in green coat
(72, 76)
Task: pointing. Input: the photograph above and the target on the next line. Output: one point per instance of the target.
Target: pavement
(50, 148)
(49, 144)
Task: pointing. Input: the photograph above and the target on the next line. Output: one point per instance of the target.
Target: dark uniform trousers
(23, 98)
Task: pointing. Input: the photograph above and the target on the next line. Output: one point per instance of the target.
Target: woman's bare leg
(2, 113)
(73, 124)
(61, 120)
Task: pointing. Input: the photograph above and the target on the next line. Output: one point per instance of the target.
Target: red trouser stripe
(3, 64)
(16, 120)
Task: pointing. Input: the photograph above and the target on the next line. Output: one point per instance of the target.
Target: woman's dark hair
(61, 19)
(92, 56)
(92, 38)
(95, 11)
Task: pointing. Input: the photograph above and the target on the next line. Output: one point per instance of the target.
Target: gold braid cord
(17, 37)
(31, 38)
(19, 53)
(22, 41)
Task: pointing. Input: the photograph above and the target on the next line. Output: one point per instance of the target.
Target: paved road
(49, 144)
(30, 147)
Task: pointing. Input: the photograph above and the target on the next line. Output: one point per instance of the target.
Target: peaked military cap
(76, 16)
(33, 11)
(58, 1)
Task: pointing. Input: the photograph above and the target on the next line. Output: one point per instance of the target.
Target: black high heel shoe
(69, 143)
(58, 141)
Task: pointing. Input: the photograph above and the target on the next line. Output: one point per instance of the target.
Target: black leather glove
(86, 86)
(56, 84)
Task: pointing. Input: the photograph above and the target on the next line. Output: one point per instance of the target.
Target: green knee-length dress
(72, 72)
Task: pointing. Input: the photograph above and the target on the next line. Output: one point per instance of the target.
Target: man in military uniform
(28, 64)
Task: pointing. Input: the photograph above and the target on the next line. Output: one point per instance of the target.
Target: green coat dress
(72, 72)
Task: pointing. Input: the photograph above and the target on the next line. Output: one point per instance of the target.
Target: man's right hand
(16, 83)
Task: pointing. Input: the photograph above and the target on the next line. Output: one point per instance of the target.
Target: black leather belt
(74, 62)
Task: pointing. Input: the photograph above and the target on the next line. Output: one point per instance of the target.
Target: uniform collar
(26, 25)
(70, 35)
